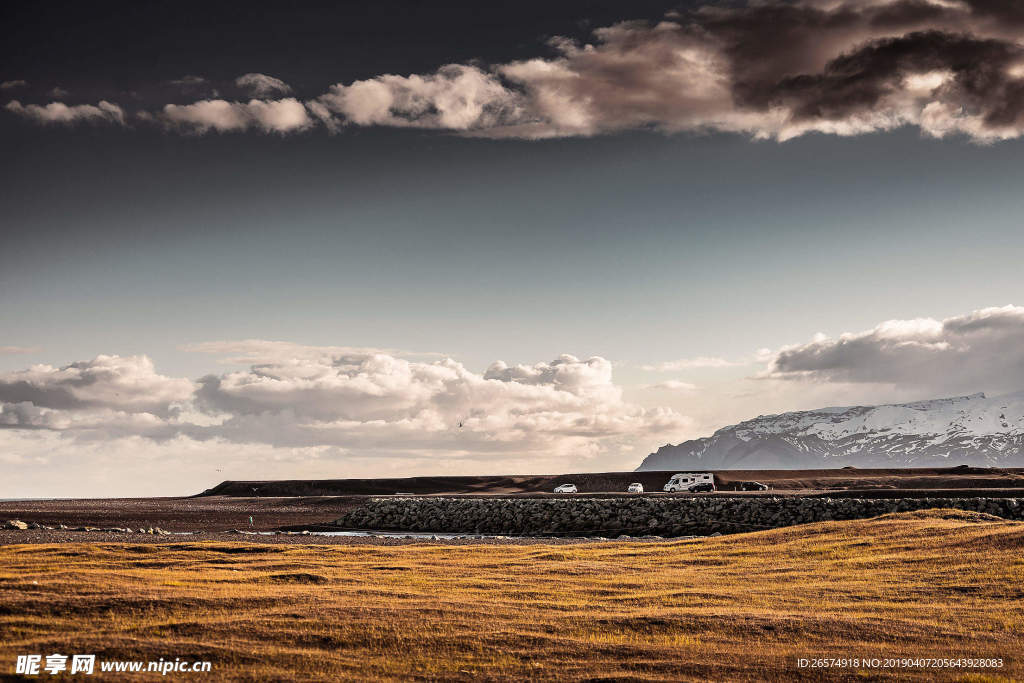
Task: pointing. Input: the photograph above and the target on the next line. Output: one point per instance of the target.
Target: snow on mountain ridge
(975, 427)
(964, 414)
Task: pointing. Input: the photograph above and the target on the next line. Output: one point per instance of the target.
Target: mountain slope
(973, 430)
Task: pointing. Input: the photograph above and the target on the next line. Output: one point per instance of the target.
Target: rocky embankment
(669, 516)
(18, 525)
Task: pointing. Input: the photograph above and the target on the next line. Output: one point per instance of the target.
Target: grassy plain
(743, 607)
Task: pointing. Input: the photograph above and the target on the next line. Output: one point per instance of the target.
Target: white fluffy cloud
(58, 112)
(261, 85)
(365, 398)
(980, 351)
(632, 76)
(286, 115)
(126, 384)
(357, 404)
(456, 97)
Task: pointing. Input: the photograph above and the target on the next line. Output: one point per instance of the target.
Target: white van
(691, 481)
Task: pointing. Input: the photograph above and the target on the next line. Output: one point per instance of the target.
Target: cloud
(261, 85)
(691, 363)
(672, 385)
(980, 351)
(189, 81)
(355, 402)
(365, 398)
(58, 112)
(768, 69)
(456, 97)
(246, 351)
(19, 349)
(7, 85)
(286, 115)
(121, 383)
(298, 410)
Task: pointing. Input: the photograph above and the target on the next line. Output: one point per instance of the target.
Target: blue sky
(639, 247)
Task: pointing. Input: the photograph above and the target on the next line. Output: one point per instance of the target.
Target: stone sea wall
(640, 516)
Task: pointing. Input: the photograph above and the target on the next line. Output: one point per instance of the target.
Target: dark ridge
(610, 482)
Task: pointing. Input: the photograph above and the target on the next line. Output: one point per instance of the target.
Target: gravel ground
(210, 518)
(42, 536)
(213, 513)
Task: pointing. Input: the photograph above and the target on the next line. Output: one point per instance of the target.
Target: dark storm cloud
(772, 70)
(768, 69)
(864, 79)
(980, 350)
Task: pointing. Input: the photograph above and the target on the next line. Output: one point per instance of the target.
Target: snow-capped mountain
(971, 430)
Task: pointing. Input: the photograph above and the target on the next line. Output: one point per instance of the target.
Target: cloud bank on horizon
(350, 401)
(770, 70)
(360, 411)
(982, 350)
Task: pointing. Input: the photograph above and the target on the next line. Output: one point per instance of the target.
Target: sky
(401, 238)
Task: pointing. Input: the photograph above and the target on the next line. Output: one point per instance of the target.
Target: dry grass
(728, 608)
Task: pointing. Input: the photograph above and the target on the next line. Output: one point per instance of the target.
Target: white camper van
(691, 481)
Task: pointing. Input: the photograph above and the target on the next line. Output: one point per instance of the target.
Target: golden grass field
(743, 607)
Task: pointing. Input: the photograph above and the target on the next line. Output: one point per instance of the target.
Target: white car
(566, 488)
(635, 487)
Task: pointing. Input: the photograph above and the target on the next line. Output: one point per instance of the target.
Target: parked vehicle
(705, 487)
(566, 488)
(689, 481)
(753, 486)
(635, 487)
